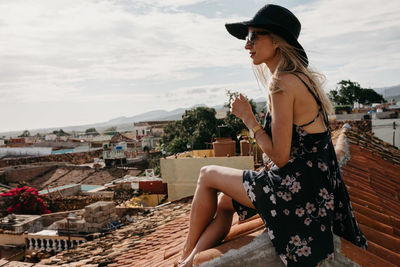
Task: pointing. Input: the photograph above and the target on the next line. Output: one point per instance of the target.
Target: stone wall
(48, 219)
(96, 218)
(74, 158)
(98, 215)
(24, 173)
(74, 202)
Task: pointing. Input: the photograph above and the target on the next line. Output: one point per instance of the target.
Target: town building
(149, 128)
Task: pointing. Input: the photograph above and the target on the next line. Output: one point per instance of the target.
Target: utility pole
(394, 132)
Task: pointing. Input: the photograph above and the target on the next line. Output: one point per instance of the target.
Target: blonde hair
(291, 62)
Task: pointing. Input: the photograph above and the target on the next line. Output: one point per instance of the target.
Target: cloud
(64, 42)
(138, 55)
(167, 3)
(212, 94)
(355, 40)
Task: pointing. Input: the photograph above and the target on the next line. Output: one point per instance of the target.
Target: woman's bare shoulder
(290, 83)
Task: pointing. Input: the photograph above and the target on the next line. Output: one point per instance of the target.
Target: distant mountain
(389, 92)
(122, 123)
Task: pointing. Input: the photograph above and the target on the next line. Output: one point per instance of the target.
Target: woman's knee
(225, 203)
(205, 175)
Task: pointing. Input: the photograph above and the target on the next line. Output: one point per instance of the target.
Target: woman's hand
(240, 107)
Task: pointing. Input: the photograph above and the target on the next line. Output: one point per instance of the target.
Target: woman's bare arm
(277, 148)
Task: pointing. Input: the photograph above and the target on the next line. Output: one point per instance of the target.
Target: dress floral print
(303, 202)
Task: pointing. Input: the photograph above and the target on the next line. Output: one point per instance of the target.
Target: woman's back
(305, 106)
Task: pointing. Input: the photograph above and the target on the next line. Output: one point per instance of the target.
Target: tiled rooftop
(156, 239)
(374, 186)
(104, 250)
(372, 178)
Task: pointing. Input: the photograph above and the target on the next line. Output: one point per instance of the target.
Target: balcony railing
(55, 243)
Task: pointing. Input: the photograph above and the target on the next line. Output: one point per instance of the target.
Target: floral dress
(303, 202)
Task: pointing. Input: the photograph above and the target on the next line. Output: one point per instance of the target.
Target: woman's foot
(187, 257)
(188, 262)
(185, 254)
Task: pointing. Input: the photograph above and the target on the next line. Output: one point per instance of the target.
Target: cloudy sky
(77, 62)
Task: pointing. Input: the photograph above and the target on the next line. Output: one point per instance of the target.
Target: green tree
(201, 125)
(25, 133)
(235, 125)
(349, 92)
(196, 128)
(369, 96)
(92, 131)
(110, 130)
(170, 131)
(60, 133)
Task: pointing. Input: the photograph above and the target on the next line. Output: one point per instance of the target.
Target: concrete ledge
(257, 250)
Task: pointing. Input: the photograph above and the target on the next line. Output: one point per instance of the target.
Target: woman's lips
(252, 54)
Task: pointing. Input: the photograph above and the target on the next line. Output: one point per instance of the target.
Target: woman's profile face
(261, 46)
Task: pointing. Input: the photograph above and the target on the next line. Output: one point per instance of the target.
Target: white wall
(26, 151)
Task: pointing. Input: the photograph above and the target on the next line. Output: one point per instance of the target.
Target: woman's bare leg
(204, 205)
(204, 230)
(216, 231)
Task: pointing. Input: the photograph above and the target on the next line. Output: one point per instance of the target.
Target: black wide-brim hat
(275, 19)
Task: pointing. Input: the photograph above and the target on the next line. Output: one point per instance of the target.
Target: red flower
(25, 200)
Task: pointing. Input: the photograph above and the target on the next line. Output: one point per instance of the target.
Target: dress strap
(324, 114)
(308, 123)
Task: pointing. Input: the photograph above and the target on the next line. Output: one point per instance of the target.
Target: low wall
(11, 239)
(74, 158)
(387, 115)
(362, 125)
(181, 174)
(25, 151)
(48, 219)
(26, 173)
(69, 190)
(74, 202)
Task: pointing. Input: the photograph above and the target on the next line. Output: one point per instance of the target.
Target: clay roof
(5, 263)
(134, 236)
(129, 135)
(156, 239)
(373, 183)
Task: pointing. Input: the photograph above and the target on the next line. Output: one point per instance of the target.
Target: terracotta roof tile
(383, 253)
(153, 252)
(362, 257)
(373, 185)
(134, 241)
(372, 178)
(18, 264)
(382, 239)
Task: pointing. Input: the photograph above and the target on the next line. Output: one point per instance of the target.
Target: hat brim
(240, 31)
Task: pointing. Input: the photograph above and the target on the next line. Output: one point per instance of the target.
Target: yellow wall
(196, 154)
(201, 153)
(181, 174)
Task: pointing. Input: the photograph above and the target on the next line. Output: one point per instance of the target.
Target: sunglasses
(252, 36)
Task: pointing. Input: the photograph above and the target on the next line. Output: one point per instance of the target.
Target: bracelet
(255, 134)
(254, 130)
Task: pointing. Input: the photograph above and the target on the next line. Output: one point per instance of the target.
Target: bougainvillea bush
(24, 200)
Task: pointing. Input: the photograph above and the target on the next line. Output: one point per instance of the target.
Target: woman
(301, 198)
